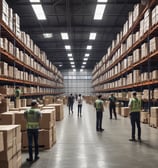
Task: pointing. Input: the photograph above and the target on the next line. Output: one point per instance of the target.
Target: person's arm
(130, 105)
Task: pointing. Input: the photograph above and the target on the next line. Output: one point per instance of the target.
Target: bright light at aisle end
(39, 12)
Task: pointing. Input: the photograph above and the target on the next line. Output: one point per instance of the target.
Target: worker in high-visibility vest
(32, 117)
(99, 113)
(135, 108)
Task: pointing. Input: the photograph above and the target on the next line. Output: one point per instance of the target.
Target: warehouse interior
(50, 49)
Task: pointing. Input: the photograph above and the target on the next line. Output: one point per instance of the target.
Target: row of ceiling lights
(98, 15)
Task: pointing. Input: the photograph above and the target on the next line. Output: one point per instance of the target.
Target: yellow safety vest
(135, 105)
(99, 104)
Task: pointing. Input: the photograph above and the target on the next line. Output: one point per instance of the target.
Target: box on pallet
(125, 111)
(7, 118)
(1, 142)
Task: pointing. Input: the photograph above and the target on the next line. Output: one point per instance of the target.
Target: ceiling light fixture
(71, 59)
(69, 55)
(87, 55)
(82, 66)
(67, 47)
(73, 66)
(34, 1)
(84, 63)
(74, 70)
(72, 63)
(99, 11)
(64, 36)
(39, 12)
(47, 35)
(102, 1)
(92, 36)
(81, 70)
(89, 47)
(85, 59)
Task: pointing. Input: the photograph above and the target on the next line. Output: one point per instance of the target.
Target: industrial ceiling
(75, 17)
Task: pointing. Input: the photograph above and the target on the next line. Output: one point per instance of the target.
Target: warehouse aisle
(80, 146)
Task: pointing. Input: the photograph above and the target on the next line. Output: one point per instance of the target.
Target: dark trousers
(112, 109)
(99, 117)
(79, 109)
(70, 108)
(32, 135)
(135, 120)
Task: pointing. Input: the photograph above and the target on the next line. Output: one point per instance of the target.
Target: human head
(134, 94)
(99, 97)
(112, 94)
(34, 103)
(80, 95)
(71, 94)
(17, 87)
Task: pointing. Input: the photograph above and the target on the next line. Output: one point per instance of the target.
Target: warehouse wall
(77, 82)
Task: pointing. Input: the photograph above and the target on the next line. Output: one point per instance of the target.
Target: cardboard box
(6, 164)
(125, 111)
(1, 142)
(7, 118)
(19, 119)
(154, 112)
(45, 138)
(153, 122)
(144, 117)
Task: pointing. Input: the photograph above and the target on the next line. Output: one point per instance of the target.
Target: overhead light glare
(67, 47)
(39, 12)
(74, 70)
(47, 35)
(92, 36)
(82, 66)
(64, 36)
(89, 47)
(81, 70)
(73, 66)
(84, 63)
(99, 11)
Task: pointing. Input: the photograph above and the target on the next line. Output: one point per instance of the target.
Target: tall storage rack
(15, 72)
(131, 62)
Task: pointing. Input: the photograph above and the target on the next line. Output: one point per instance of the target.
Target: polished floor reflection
(80, 146)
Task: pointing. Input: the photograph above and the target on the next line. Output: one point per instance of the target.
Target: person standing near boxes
(99, 113)
(32, 117)
(17, 95)
(112, 106)
(70, 103)
(135, 108)
(79, 105)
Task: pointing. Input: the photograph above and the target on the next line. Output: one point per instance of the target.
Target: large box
(19, 119)
(45, 138)
(125, 111)
(7, 118)
(153, 122)
(144, 117)
(154, 112)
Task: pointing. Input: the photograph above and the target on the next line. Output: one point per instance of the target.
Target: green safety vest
(99, 104)
(135, 105)
(32, 117)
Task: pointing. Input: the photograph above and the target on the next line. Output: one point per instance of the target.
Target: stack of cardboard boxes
(144, 117)
(125, 111)
(154, 117)
(1, 142)
(10, 157)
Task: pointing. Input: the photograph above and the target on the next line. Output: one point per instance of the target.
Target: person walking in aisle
(79, 105)
(32, 117)
(135, 108)
(70, 103)
(99, 113)
(112, 106)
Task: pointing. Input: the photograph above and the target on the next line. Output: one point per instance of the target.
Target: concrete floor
(80, 146)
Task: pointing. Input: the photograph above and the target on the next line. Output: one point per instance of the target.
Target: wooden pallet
(145, 121)
(153, 125)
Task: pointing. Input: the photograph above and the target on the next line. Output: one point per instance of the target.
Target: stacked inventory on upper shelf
(131, 61)
(21, 60)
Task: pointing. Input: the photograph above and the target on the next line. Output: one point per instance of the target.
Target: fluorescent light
(73, 66)
(104, 1)
(69, 55)
(74, 70)
(84, 63)
(72, 63)
(60, 65)
(92, 36)
(86, 55)
(34, 1)
(82, 66)
(85, 59)
(39, 12)
(99, 11)
(89, 47)
(81, 70)
(67, 47)
(71, 59)
(64, 36)
(47, 35)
